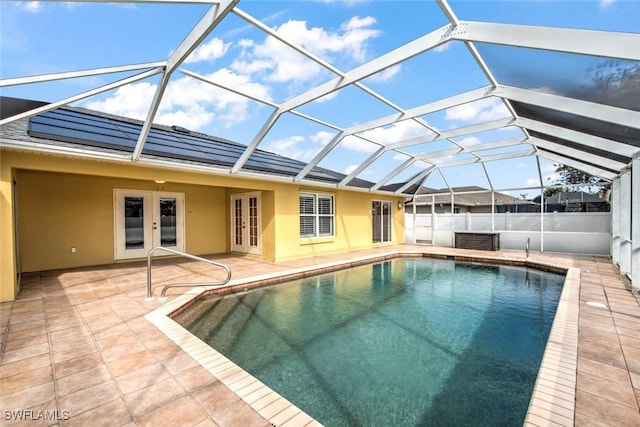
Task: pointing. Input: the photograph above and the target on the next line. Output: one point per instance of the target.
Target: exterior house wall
(66, 202)
(353, 223)
(59, 211)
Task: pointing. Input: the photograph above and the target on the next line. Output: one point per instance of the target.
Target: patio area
(76, 345)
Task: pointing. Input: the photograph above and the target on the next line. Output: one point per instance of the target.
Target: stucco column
(8, 274)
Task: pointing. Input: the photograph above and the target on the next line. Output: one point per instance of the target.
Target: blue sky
(45, 37)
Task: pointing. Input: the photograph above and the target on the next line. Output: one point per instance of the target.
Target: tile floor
(76, 349)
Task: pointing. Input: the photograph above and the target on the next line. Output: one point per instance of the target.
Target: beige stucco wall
(353, 223)
(66, 202)
(58, 211)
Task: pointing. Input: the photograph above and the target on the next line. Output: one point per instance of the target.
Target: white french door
(145, 219)
(245, 223)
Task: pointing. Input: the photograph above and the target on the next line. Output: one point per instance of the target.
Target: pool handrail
(186, 255)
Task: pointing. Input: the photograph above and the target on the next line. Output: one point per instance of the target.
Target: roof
(590, 122)
(469, 196)
(573, 197)
(83, 128)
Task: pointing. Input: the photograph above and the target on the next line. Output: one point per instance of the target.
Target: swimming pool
(402, 342)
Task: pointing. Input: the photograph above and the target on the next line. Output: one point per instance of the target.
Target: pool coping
(553, 396)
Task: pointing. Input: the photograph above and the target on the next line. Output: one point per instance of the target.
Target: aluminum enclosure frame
(588, 152)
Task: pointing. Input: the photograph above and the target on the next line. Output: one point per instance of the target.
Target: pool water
(414, 341)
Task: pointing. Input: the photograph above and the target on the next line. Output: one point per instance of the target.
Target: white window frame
(316, 215)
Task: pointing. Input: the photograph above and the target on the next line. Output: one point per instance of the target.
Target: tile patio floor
(77, 342)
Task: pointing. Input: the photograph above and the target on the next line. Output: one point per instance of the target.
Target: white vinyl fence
(570, 232)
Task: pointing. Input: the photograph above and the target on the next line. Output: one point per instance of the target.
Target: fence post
(468, 221)
(615, 221)
(541, 219)
(507, 221)
(635, 229)
(493, 210)
(414, 220)
(625, 223)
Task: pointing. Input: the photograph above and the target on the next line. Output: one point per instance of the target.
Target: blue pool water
(413, 341)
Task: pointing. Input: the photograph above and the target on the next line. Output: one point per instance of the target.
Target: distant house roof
(573, 197)
(87, 129)
(479, 196)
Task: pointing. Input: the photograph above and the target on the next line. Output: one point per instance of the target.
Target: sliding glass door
(381, 221)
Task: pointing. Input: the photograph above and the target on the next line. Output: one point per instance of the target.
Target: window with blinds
(316, 215)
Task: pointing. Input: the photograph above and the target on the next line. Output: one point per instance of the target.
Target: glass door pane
(386, 221)
(238, 223)
(245, 223)
(168, 221)
(253, 221)
(376, 216)
(381, 221)
(134, 222)
(145, 219)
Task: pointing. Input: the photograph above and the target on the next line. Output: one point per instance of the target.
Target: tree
(568, 175)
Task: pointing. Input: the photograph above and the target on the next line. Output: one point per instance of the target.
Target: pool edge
(553, 397)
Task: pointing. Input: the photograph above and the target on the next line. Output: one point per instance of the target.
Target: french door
(145, 219)
(245, 223)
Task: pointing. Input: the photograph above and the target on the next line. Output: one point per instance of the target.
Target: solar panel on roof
(87, 129)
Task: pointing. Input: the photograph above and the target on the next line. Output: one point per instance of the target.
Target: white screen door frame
(146, 219)
(246, 224)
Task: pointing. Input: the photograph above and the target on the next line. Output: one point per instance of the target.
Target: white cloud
(131, 101)
(322, 137)
(386, 74)
(400, 131)
(442, 47)
(345, 2)
(350, 169)
(483, 110)
(209, 51)
(532, 182)
(328, 97)
(354, 143)
(186, 102)
(30, 6)
(190, 117)
(276, 62)
(469, 140)
(605, 4)
(298, 147)
(400, 157)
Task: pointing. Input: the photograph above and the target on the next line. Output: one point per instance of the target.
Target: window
(381, 221)
(316, 215)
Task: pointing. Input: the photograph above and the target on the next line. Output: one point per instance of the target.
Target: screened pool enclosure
(397, 97)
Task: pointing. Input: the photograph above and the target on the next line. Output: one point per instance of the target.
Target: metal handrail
(186, 255)
(527, 246)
